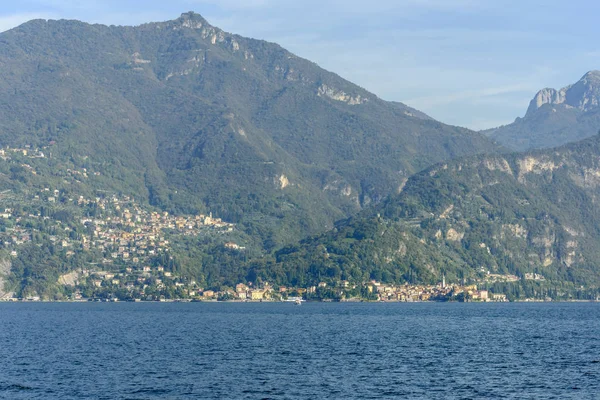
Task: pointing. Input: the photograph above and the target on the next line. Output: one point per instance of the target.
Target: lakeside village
(127, 232)
(122, 233)
(129, 235)
(156, 284)
(116, 227)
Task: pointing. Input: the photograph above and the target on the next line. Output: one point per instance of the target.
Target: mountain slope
(515, 214)
(191, 118)
(555, 117)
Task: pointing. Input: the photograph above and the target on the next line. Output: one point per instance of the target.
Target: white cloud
(402, 6)
(592, 54)
(343, 6)
(472, 95)
(116, 18)
(232, 5)
(69, 5)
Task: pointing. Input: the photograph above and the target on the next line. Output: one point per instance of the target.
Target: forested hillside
(193, 119)
(477, 219)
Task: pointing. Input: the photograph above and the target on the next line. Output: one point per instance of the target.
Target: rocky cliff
(583, 95)
(556, 117)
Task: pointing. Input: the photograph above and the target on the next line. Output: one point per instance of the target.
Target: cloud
(343, 6)
(592, 54)
(402, 6)
(473, 94)
(126, 19)
(233, 5)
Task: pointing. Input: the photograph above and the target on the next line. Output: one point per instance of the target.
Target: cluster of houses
(134, 233)
(530, 276)
(137, 281)
(441, 291)
(382, 292)
(26, 151)
(121, 230)
(145, 283)
(156, 283)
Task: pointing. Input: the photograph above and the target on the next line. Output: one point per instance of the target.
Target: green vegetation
(194, 120)
(184, 119)
(477, 220)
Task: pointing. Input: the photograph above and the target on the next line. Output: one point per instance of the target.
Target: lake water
(282, 351)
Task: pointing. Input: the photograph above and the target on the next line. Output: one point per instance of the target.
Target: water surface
(282, 351)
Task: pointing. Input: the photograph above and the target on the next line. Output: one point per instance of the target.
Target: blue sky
(465, 62)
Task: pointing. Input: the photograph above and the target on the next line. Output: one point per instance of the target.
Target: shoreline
(290, 302)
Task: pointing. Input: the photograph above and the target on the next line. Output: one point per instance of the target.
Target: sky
(473, 63)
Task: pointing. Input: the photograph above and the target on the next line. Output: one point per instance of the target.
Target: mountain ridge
(555, 117)
(189, 99)
(583, 95)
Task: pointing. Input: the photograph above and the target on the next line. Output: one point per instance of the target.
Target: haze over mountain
(555, 117)
(190, 118)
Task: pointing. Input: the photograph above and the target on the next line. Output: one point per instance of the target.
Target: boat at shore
(296, 300)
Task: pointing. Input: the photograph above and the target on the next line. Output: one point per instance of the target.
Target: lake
(283, 351)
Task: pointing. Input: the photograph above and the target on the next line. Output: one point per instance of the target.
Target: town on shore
(123, 237)
(157, 284)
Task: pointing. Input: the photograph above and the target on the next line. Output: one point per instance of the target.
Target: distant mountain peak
(556, 117)
(193, 20)
(583, 95)
(187, 20)
(594, 74)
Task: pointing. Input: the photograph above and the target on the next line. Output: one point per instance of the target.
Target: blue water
(282, 351)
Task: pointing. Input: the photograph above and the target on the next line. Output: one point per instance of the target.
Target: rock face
(555, 117)
(583, 95)
(547, 96)
(339, 95)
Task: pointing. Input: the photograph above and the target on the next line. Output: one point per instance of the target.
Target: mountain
(483, 219)
(189, 118)
(555, 117)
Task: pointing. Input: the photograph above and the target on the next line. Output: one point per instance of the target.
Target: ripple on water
(191, 350)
